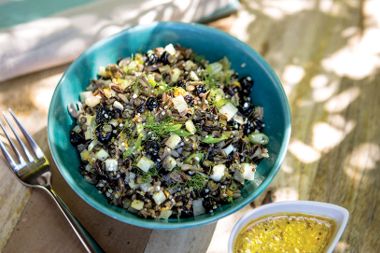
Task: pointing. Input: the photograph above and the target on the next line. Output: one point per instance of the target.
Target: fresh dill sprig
(197, 181)
(165, 127)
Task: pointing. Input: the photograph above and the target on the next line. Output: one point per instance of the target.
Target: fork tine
(37, 150)
(19, 156)
(22, 144)
(7, 156)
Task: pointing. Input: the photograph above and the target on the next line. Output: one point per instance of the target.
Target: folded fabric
(60, 38)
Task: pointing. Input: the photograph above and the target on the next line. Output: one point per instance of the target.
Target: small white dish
(339, 214)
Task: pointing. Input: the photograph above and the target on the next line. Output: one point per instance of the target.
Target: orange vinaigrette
(285, 232)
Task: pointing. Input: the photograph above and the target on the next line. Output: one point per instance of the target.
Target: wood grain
(322, 51)
(42, 226)
(20, 95)
(193, 240)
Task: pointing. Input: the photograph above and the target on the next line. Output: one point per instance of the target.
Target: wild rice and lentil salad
(168, 134)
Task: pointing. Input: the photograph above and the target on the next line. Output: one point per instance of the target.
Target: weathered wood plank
(42, 226)
(24, 97)
(193, 240)
(334, 151)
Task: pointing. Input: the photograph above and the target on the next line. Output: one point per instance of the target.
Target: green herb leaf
(217, 97)
(146, 178)
(136, 146)
(197, 181)
(161, 88)
(165, 127)
(209, 139)
(196, 156)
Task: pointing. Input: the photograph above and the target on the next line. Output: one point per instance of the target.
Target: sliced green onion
(258, 138)
(196, 156)
(209, 139)
(182, 133)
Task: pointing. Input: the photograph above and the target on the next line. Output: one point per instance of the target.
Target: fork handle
(89, 243)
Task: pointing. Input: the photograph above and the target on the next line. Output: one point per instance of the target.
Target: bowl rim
(308, 207)
(152, 224)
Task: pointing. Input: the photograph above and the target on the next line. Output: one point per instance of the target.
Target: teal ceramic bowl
(212, 44)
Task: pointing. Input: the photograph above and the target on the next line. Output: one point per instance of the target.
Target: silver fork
(34, 171)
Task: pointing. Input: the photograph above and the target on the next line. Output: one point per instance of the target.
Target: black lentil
(164, 58)
(151, 59)
(152, 103)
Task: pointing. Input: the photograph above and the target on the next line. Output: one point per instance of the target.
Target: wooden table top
(327, 54)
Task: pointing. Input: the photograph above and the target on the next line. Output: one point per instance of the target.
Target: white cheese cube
(218, 172)
(248, 171)
(228, 110)
(179, 104)
(133, 185)
(227, 150)
(145, 164)
(170, 49)
(173, 141)
(85, 94)
(147, 187)
(111, 164)
(176, 72)
(92, 101)
(89, 99)
(118, 105)
(159, 197)
(198, 208)
(169, 163)
(194, 76)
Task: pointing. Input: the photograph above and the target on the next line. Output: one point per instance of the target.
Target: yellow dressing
(288, 232)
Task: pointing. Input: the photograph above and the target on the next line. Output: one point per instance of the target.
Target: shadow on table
(328, 57)
(43, 227)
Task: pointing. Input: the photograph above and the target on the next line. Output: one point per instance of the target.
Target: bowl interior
(205, 41)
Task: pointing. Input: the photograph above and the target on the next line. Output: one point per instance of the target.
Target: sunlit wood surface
(327, 54)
